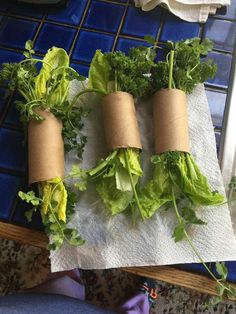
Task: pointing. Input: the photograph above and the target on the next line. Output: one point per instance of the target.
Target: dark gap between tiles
(79, 27)
(120, 28)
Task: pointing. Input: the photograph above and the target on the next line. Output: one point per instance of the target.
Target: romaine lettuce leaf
(100, 73)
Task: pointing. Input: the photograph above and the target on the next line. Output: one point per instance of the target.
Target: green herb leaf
(222, 270)
(30, 198)
(178, 233)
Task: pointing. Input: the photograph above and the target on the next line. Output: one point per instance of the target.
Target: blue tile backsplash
(139, 24)
(71, 14)
(84, 52)
(223, 62)
(13, 157)
(54, 35)
(175, 29)
(9, 56)
(15, 32)
(81, 27)
(104, 16)
(9, 187)
(222, 32)
(124, 44)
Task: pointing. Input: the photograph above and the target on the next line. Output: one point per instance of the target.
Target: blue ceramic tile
(15, 32)
(125, 44)
(222, 33)
(71, 14)
(140, 23)
(9, 56)
(176, 29)
(81, 68)
(13, 116)
(216, 100)
(14, 154)
(54, 35)
(104, 16)
(231, 11)
(88, 42)
(9, 186)
(223, 62)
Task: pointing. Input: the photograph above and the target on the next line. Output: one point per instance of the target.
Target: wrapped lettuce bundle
(176, 176)
(119, 79)
(52, 123)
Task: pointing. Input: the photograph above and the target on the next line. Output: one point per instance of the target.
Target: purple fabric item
(69, 284)
(138, 304)
(63, 283)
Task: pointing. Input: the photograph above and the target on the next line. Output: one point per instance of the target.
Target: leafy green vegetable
(188, 67)
(177, 181)
(100, 73)
(183, 69)
(223, 288)
(48, 89)
(177, 170)
(116, 176)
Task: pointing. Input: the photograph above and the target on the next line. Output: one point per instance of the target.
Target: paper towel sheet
(114, 241)
(188, 10)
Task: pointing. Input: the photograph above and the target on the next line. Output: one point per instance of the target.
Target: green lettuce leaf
(178, 171)
(55, 62)
(194, 184)
(112, 180)
(100, 73)
(115, 200)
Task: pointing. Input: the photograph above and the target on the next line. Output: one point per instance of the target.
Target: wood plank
(177, 277)
(167, 274)
(23, 235)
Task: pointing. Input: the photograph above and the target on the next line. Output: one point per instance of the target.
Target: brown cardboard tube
(45, 148)
(120, 122)
(170, 121)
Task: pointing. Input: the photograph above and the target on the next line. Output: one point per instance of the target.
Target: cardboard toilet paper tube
(170, 121)
(45, 148)
(120, 122)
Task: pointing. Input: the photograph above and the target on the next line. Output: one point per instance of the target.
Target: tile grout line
(201, 31)
(39, 27)
(11, 172)
(20, 50)
(15, 201)
(160, 30)
(6, 109)
(120, 27)
(79, 27)
(12, 127)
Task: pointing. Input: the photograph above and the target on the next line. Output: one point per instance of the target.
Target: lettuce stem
(133, 185)
(191, 243)
(89, 90)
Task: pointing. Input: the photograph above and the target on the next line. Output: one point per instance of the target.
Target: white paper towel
(113, 241)
(188, 10)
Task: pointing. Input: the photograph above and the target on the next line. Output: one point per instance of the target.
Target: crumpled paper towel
(114, 241)
(188, 10)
